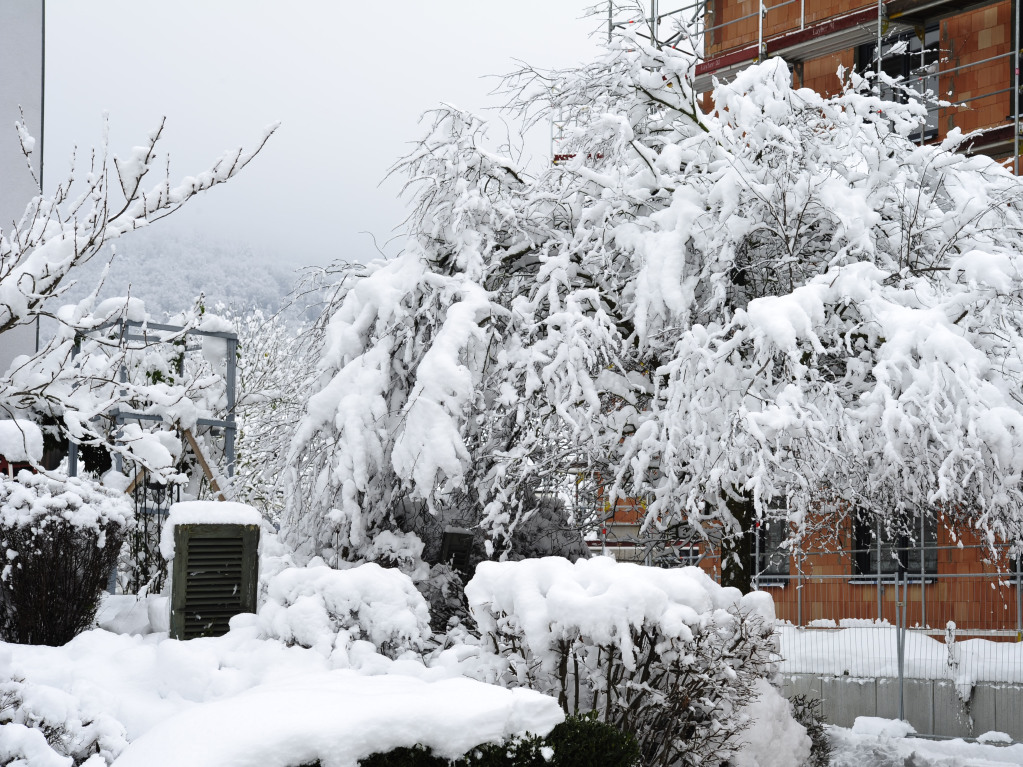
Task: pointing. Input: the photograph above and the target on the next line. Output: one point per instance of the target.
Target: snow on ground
(272, 692)
(158, 688)
(338, 718)
(245, 700)
(876, 742)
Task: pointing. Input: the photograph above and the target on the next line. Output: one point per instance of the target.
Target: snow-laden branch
(780, 308)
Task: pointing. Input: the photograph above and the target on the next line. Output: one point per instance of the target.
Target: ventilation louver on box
(214, 577)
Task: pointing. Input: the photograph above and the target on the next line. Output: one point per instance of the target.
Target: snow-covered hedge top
(552, 598)
(30, 498)
(328, 610)
(21, 440)
(205, 513)
(339, 718)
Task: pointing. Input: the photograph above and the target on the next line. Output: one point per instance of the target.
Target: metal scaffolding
(808, 38)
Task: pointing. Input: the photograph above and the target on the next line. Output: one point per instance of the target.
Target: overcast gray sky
(347, 81)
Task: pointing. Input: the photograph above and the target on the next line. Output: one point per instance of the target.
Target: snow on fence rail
(861, 649)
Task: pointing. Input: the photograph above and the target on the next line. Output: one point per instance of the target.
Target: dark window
(770, 558)
(1016, 62)
(874, 544)
(916, 62)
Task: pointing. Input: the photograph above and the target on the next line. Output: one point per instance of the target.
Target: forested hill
(168, 273)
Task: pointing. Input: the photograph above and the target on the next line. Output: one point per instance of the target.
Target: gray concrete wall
(931, 706)
(21, 90)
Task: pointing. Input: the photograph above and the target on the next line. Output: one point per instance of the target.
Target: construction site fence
(868, 650)
(813, 586)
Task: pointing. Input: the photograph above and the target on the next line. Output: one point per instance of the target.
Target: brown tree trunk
(737, 549)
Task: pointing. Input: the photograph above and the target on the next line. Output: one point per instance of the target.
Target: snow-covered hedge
(330, 610)
(60, 538)
(337, 718)
(42, 726)
(668, 655)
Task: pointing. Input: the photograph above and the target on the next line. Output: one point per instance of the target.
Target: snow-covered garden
(777, 309)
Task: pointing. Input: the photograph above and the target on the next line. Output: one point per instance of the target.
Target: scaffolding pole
(880, 34)
(1015, 92)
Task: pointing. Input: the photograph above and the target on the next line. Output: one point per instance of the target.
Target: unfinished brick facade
(975, 62)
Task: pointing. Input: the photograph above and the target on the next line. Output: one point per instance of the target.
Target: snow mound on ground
(854, 750)
(774, 738)
(134, 614)
(552, 598)
(329, 610)
(994, 736)
(339, 718)
(878, 726)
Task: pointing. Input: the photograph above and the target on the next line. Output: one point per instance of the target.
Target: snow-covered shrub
(577, 742)
(667, 655)
(808, 713)
(42, 726)
(444, 592)
(330, 610)
(60, 538)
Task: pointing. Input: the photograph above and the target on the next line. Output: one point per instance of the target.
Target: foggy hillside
(168, 273)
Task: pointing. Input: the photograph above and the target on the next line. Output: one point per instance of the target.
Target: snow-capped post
(21, 446)
(781, 298)
(213, 548)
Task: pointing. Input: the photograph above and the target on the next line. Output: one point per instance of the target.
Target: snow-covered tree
(778, 308)
(273, 365)
(76, 374)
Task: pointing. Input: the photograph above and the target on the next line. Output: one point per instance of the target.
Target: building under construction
(965, 53)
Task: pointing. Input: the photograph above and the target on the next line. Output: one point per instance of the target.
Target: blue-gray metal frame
(228, 423)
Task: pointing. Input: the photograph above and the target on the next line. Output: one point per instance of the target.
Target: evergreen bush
(61, 537)
(585, 741)
(807, 711)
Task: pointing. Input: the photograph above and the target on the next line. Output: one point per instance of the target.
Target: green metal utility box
(214, 577)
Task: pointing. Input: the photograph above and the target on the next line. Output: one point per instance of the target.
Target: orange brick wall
(829, 590)
(965, 39)
(972, 37)
(782, 18)
(821, 74)
(973, 603)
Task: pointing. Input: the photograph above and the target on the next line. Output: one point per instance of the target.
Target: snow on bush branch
(74, 374)
(781, 299)
(642, 646)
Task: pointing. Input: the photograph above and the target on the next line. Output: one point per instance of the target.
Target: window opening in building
(909, 549)
(771, 558)
(916, 62)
